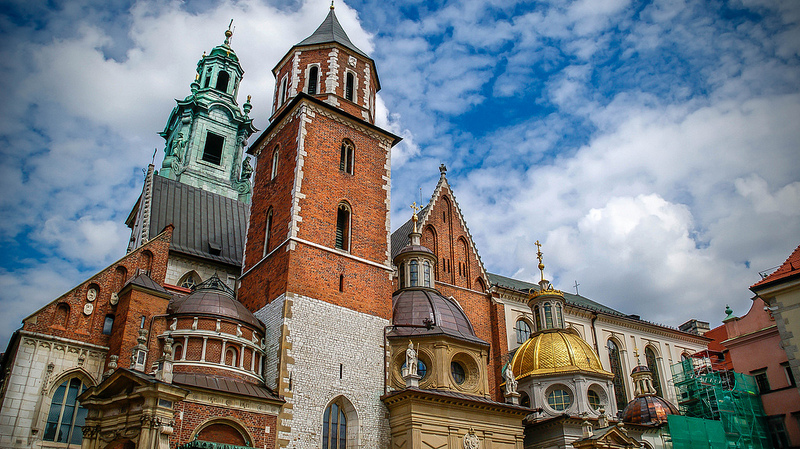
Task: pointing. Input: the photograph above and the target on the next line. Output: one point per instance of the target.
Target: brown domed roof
(414, 249)
(640, 369)
(648, 409)
(431, 314)
(215, 299)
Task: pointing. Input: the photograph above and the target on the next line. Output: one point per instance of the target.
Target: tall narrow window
(616, 368)
(537, 313)
(62, 315)
(426, 271)
(346, 157)
(223, 79)
(313, 73)
(341, 282)
(548, 316)
(349, 86)
(274, 171)
(650, 357)
(212, 152)
(66, 418)
(208, 78)
(413, 272)
(334, 428)
(284, 88)
(343, 227)
(267, 231)
(402, 271)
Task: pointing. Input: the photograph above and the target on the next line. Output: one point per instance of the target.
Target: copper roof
(215, 299)
(224, 384)
(429, 313)
(648, 409)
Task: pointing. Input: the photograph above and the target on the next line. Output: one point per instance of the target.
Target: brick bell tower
(317, 265)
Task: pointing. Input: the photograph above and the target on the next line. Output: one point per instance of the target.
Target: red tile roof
(789, 268)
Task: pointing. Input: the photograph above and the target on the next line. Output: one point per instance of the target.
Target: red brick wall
(307, 270)
(444, 234)
(321, 56)
(196, 415)
(132, 306)
(221, 433)
(89, 328)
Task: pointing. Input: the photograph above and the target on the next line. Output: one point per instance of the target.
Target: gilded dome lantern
(547, 303)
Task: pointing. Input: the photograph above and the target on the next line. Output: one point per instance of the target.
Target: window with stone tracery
(334, 427)
(66, 417)
(616, 368)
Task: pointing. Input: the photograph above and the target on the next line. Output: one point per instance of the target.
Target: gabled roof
(791, 267)
(331, 31)
(399, 238)
(207, 225)
(142, 279)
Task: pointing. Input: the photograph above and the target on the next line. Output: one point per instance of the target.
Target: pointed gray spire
(331, 31)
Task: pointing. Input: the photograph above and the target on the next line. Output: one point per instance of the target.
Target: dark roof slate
(331, 31)
(575, 300)
(143, 280)
(400, 236)
(224, 384)
(207, 225)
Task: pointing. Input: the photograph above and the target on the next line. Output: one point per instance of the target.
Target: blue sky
(652, 147)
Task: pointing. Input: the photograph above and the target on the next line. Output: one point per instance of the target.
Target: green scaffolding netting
(727, 397)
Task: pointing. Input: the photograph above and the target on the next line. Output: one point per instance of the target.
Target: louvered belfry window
(346, 157)
(343, 227)
(349, 86)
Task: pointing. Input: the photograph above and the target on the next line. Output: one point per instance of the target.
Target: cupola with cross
(207, 131)
(547, 303)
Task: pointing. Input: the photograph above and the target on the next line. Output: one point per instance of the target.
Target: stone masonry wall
(328, 351)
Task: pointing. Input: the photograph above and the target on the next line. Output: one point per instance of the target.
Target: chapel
(264, 300)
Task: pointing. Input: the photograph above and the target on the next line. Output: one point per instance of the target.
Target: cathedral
(264, 301)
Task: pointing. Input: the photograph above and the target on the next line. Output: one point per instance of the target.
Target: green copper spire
(207, 131)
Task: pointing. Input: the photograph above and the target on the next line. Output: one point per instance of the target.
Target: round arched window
(594, 400)
(457, 370)
(559, 399)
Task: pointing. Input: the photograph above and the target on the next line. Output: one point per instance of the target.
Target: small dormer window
(413, 271)
(350, 85)
(223, 79)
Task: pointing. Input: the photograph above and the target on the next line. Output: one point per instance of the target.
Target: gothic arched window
(650, 357)
(346, 157)
(267, 231)
(62, 315)
(334, 427)
(274, 171)
(66, 418)
(189, 280)
(343, 218)
(223, 79)
(616, 368)
(523, 331)
(313, 75)
(350, 85)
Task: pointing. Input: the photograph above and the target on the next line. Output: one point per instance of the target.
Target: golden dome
(556, 352)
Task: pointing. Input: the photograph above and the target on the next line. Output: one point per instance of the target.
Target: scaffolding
(725, 396)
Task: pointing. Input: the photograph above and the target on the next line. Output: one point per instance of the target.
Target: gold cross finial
(414, 217)
(539, 256)
(331, 4)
